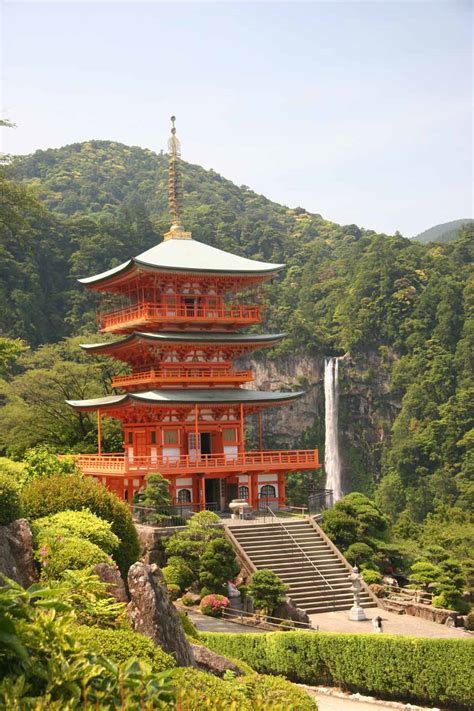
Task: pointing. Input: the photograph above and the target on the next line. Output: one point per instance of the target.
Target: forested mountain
(401, 312)
(447, 232)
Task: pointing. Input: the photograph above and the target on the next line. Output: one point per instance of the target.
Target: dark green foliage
(198, 690)
(355, 519)
(157, 491)
(10, 506)
(44, 497)
(267, 591)
(121, 645)
(178, 572)
(405, 668)
(218, 564)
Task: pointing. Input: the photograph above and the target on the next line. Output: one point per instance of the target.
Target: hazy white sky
(360, 111)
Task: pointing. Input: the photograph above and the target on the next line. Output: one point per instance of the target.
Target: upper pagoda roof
(185, 397)
(188, 255)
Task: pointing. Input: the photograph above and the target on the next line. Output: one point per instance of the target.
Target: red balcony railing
(151, 313)
(188, 376)
(266, 461)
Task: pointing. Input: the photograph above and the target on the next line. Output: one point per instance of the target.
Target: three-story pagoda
(184, 402)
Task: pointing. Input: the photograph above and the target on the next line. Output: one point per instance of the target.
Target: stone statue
(356, 612)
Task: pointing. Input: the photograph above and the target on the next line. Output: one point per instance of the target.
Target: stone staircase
(297, 552)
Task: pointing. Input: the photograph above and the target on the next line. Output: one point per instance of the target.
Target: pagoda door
(140, 448)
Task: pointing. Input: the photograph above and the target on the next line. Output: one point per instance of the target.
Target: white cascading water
(332, 462)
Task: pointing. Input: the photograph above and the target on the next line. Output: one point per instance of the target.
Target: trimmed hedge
(388, 666)
(10, 507)
(200, 691)
(121, 645)
(71, 553)
(44, 497)
(78, 524)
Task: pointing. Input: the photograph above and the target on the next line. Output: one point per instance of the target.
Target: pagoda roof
(188, 255)
(187, 397)
(186, 337)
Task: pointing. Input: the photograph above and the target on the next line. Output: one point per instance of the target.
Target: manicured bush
(174, 591)
(12, 468)
(358, 553)
(10, 506)
(213, 605)
(122, 645)
(204, 592)
(177, 572)
(371, 577)
(188, 600)
(470, 621)
(218, 565)
(267, 591)
(200, 691)
(406, 668)
(275, 692)
(44, 497)
(80, 524)
(204, 519)
(69, 554)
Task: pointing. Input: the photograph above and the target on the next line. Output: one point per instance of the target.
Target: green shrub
(371, 577)
(121, 645)
(451, 599)
(204, 592)
(44, 497)
(470, 621)
(275, 692)
(69, 554)
(89, 598)
(41, 462)
(214, 605)
(405, 668)
(200, 691)
(189, 628)
(10, 506)
(358, 553)
(218, 565)
(80, 524)
(177, 572)
(204, 519)
(267, 590)
(12, 468)
(174, 591)
(188, 600)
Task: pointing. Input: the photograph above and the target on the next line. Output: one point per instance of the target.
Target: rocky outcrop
(288, 611)
(213, 663)
(151, 612)
(151, 544)
(110, 575)
(16, 553)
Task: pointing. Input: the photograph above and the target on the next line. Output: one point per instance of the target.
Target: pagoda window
(184, 496)
(243, 492)
(229, 435)
(170, 437)
(268, 491)
(153, 437)
(130, 437)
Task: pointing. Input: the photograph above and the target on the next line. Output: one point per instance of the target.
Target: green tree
(267, 591)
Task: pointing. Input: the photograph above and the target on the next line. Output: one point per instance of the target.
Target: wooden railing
(148, 312)
(185, 376)
(266, 461)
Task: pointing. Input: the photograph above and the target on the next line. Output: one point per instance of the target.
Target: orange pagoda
(184, 403)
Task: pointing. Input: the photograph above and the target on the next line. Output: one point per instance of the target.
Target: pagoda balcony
(206, 464)
(148, 314)
(183, 376)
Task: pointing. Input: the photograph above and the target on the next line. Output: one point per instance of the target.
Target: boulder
(213, 663)
(16, 553)
(151, 612)
(288, 611)
(110, 575)
(151, 544)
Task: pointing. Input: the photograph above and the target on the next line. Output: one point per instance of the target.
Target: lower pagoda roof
(186, 337)
(187, 397)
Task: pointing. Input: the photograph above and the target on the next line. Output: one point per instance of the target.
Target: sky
(358, 111)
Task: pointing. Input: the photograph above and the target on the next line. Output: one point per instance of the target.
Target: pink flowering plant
(213, 605)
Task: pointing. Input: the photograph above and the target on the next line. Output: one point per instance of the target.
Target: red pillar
(281, 490)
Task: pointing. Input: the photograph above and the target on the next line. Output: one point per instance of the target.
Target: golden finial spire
(174, 148)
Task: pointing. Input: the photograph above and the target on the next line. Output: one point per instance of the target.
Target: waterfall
(332, 462)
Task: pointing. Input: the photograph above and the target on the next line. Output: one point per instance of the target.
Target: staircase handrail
(303, 552)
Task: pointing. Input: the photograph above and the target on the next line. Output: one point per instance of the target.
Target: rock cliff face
(366, 411)
(16, 553)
